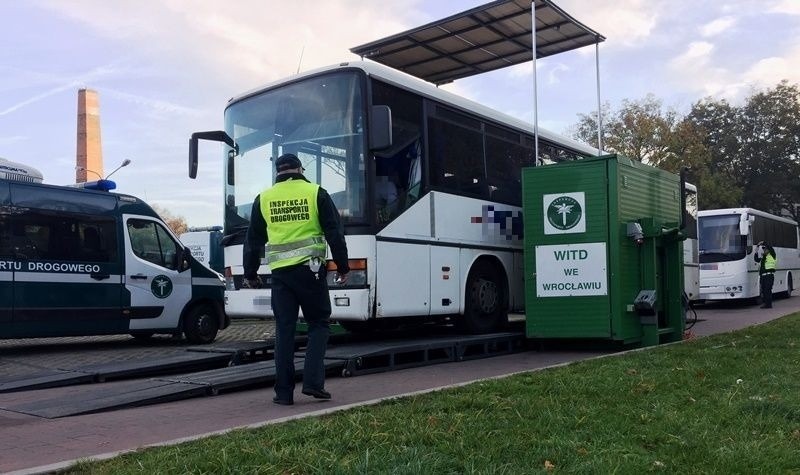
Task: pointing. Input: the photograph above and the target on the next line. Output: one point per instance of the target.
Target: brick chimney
(89, 157)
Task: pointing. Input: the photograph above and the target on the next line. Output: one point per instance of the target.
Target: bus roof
(414, 84)
(755, 212)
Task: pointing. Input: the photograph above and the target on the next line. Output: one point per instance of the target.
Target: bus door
(67, 273)
(157, 287)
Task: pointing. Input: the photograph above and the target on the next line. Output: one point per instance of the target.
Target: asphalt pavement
(30, 444)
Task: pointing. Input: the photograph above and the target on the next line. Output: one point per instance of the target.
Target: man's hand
(253, 283)
(340, 278)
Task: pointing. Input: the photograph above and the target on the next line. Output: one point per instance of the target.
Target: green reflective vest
(290, 211)
(770, 262)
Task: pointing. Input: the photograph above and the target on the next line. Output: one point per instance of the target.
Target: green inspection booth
(603, 251)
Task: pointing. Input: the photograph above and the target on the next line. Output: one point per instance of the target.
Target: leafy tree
(754, 148)
(176, 223)
(643, 130)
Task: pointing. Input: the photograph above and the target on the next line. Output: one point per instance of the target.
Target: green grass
(723, 404)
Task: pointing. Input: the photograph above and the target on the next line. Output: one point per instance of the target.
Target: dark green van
(75, 261)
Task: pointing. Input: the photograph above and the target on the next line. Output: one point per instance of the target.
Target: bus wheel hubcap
(487, 295)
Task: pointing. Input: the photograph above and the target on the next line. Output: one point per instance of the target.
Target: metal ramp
(194, 359)
(390, 355)
(349, 359)
(97, 398)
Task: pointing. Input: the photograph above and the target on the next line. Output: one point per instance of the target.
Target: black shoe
(766, 306)
(282, 402)
(317, 393)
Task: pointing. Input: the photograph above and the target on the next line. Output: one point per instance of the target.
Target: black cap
(287, 161)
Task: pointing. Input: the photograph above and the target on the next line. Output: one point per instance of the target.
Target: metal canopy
(482, 39)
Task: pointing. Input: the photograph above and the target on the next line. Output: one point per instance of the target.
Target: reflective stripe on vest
(770, 262)
(293, 229)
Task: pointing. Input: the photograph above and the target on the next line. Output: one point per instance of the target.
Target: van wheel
(143, 336)
(485, 308)
(201, 325)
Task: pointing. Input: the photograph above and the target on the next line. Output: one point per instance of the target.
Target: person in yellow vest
(295, 218)
(765, 254)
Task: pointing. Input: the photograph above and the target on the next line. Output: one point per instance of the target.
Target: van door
(157, 287)
(6, 265)
(67, 273)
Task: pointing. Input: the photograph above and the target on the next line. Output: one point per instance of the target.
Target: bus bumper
(721, 292)
(346, 304)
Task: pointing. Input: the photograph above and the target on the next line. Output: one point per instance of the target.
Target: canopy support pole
(599, 111)
(535, 88)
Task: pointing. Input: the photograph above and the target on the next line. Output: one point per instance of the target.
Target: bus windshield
(720, 239)
(320, 120)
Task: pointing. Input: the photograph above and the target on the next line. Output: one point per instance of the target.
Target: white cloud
(791, 7)
(769, 71)
(718, 26)
(626, 23)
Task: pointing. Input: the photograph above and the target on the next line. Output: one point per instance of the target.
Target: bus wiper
(236, 234)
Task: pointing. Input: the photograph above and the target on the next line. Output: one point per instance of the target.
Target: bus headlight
(357, 277)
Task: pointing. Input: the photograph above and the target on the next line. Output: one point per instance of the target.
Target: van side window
(5, 237)
(63, 237)
(151, 242)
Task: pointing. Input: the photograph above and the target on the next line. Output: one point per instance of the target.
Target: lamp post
(84, 169)
(124, 163)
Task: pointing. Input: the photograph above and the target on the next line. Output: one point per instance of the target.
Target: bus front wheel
(485, 308)
(789, 287)
(201, 325)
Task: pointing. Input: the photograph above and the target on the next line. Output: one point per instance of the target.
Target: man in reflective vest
(765, 254)
(294, 218)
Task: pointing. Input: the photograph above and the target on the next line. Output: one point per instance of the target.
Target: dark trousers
(293, 288)
(767, 279)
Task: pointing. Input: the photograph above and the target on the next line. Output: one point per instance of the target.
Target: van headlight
(357, 277)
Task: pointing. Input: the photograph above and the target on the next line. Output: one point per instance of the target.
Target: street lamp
(124, 163)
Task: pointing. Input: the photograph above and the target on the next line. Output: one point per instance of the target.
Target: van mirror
(184, 259)
(380, 127)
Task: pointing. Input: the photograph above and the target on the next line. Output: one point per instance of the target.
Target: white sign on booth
(571, 270)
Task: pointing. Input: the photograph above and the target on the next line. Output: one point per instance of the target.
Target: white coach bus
(428, 186)
(727, 238)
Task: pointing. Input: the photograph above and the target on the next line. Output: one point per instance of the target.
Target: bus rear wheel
(485, 308)
(201, 324)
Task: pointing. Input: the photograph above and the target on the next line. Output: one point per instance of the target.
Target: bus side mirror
(214, 135)
(380, 127)
(744, 224)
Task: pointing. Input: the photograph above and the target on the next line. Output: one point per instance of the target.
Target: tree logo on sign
(564, 212)
(161, 286)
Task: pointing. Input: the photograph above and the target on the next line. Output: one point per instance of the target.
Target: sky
(164, 69)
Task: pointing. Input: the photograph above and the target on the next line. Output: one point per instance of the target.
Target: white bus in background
(691, 265)
(727, 238)
(428, 185)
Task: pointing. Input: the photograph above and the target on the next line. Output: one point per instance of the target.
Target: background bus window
(151, 242)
